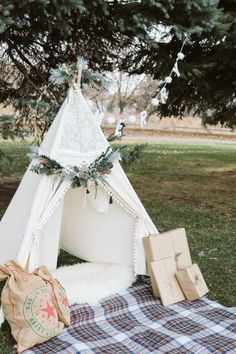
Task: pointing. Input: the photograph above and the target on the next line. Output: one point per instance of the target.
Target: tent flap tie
(34, 253)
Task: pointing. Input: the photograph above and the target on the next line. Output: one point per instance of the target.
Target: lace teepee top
(77, 138)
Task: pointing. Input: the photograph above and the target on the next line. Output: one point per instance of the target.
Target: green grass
(17, 160)
(181, 185)
(193, 186)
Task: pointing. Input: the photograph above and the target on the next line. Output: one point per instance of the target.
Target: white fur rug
(91, 282)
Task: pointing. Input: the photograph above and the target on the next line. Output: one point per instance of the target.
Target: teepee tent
(47, 214)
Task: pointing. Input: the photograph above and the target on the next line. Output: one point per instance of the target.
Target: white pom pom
(180, 56)
(155, 102)
(111, 120)
(132, 119)
(168, 79)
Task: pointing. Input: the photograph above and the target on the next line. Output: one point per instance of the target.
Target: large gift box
(171, 250)
(168, 244)
(192, 282)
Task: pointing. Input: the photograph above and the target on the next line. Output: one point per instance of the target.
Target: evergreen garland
(79, 177)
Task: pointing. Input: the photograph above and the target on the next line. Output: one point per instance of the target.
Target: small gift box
(169, 245)
(168, 286)
(192, 282)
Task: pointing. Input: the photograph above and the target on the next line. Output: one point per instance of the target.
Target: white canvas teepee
(46, 214)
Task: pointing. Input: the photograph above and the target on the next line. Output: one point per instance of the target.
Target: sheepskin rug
(91, 282)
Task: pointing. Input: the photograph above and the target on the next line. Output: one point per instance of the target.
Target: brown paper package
(192, 282)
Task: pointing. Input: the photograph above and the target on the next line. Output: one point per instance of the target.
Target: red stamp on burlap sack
(40, 313)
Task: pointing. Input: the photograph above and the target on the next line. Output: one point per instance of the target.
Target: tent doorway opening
(89, 227)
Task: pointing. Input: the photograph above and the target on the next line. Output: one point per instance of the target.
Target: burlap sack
(58, 294)
(28, 307)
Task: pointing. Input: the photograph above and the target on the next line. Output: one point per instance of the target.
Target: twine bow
(196, 279)
(169, 286)
(177, 260)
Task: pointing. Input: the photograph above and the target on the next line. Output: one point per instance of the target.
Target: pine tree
(37, 35)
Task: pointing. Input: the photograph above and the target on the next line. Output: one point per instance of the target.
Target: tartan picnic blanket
(136, 322)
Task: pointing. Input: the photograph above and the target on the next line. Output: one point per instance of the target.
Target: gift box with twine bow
(166, 254)
(192, 282)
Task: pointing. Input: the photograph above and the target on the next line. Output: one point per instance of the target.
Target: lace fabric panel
(82, 140)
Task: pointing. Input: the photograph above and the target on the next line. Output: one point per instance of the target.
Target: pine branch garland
(79, 177)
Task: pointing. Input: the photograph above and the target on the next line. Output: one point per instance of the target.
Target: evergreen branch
(67, 73)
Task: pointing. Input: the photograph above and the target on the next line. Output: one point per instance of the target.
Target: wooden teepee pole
(80, 69)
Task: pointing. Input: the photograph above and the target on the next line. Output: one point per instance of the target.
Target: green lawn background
(191, 185)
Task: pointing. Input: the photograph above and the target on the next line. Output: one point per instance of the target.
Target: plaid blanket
(136, 322)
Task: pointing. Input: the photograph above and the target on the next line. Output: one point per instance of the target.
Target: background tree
(129, 93)
(135, 36)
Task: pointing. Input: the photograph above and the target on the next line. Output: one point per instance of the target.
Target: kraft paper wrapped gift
(168, 286)
(172, 244)
(192, 282)
(168, 244)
